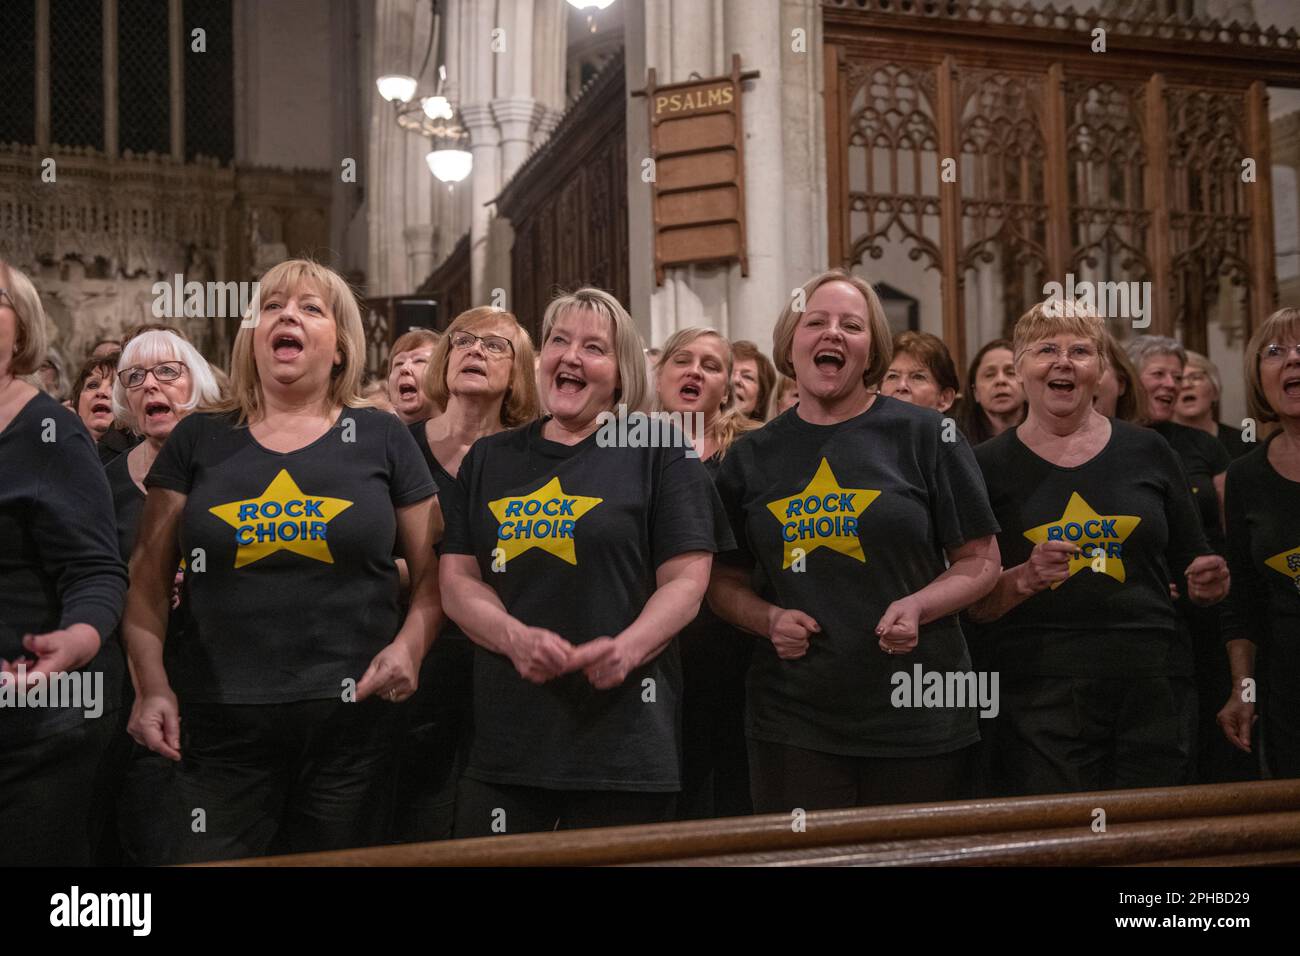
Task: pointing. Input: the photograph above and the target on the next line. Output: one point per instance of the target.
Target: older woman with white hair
(572, 562)
(1096, 521)
(286, 501)
(1198, 404)
(61, 590)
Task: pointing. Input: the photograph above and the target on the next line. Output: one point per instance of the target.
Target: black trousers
(52, 795)
(1217, 760)
(715, 764)
(437, 725)
(1073, 735)
(785, 778)
(259, 779)
(486, 809)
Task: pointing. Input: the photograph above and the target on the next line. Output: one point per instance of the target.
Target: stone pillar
(515, 118)
(783, 119)
(42, 73)
(485, 183)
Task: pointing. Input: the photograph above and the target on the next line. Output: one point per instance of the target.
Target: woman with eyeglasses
(921, 372)
(478, 381)
(276, 699)
(1262, 615)
(154, 389)
(1096, 520)
(61, 590)
(572, 562)
(1198, 405)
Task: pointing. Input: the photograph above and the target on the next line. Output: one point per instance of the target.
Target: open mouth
(1291, 386)
(155, 410)
(473, 368)
(286, 346)
(1165, 398)
(101, 408)
(407, 391)
(690, 391)
(569, 384)
(1062, 385)
(829, 359)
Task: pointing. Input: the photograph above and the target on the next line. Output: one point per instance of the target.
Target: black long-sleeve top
(59, 562)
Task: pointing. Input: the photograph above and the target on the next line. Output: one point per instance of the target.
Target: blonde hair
(882, 352)
(1053, 317)
(520, 402)
(345, 378)
(1282, 324)
(730, 423)
(157, 346)
(1195, 360)
(31, 345)
(633, 387)
(1132, 405)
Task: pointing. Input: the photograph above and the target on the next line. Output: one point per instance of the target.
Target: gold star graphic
(823, 515)
(546, 519)
(1100, 538)
(1288, 563)
(283, 518)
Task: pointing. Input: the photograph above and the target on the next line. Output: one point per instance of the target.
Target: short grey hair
(1145, 347)
(159, 345)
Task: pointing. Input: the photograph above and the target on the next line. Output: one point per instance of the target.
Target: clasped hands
(540, 655)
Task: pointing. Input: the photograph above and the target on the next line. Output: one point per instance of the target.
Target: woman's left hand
(1208, 579)
(59, 652)
(900, 626)
(394, 675)
(606, 661)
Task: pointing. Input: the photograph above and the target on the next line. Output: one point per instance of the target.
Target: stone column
(42, 73)
(485, 183)
(176, 86)
(110, 78)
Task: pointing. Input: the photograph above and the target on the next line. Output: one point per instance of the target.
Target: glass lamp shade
(436, 107)
(450, 165)
(588, 4)
(395, 87)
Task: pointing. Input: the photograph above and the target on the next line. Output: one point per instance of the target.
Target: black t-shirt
(1129, 510)
(444, 480)
(581, 530)
(1230, 438)
(1203, 457)
(839, 521)
(299, 590)
(59, 563)
(1263, 510)
(128, 503)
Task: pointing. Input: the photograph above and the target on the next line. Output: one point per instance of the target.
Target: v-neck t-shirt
(298, 589)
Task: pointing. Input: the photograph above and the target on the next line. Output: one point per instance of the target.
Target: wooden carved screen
(568, 205)
(985, 150)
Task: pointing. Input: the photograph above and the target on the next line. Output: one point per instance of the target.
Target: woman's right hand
(789, 630)
(539, 655)
(156, 722)
(1048, 564)
(1236, 719)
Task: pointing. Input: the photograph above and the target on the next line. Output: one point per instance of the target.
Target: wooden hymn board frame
(697, 142)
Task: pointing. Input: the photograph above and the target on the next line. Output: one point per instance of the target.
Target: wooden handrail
(971, 820)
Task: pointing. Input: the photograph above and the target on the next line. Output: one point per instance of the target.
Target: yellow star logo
(281, 519)
(545, 519)
(1100, 539)
(823, 515)
(1288, 563)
